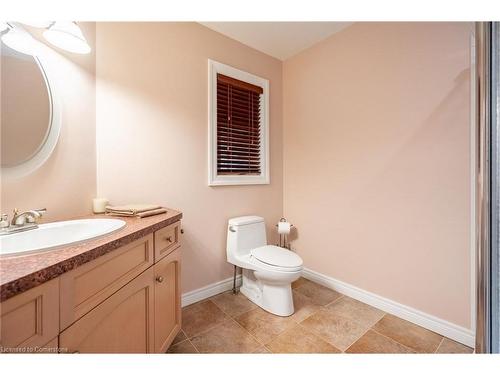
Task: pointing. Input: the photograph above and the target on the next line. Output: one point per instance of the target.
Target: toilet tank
(244, 233)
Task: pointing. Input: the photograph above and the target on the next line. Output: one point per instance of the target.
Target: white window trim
(214, 179)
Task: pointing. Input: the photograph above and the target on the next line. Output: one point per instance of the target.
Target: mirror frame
(43, 152)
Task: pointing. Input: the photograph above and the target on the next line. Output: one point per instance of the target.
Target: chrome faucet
(20, 221)
(27, 217)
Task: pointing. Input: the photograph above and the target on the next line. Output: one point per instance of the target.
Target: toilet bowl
(268, 271)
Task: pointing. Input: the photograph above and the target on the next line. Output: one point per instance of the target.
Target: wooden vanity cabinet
(127, 301)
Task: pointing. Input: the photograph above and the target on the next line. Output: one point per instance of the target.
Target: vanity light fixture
(20, 40)
(68, 36)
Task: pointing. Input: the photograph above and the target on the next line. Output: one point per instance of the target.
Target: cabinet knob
(159, 279)
(169, 238)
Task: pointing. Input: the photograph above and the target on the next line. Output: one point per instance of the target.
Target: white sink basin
(49, 236)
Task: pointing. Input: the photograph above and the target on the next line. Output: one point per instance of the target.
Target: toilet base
(275, 298)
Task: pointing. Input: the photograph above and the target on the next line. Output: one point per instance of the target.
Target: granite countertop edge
(39, 276)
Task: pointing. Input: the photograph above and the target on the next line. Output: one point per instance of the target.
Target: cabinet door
(123, 323)
(167, 300)
(30, 319)
(86, 286)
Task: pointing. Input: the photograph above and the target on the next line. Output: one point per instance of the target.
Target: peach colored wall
(152, 129)
(66, 183)
(376, 162)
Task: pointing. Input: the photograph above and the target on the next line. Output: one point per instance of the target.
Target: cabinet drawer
(85, 287)
(121, 324)
(166, 240)
(31, 318)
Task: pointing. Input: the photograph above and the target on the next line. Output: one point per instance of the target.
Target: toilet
(268, 271)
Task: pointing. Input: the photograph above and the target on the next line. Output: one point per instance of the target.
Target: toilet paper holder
(283, 237)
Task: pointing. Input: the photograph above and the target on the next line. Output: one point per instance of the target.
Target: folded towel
(151, 212)
(139, 210)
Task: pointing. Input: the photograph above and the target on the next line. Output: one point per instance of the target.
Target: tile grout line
(319, 337)
(335, 300)
(235, 321)
(194, 346)
(247, 331)
(379, 333)
(221, 308)
(250, 333)
(180, 342)
(440, 343)
(325, 307)
(278, 335)
(209, 329)
(306, 317)
(203, 332)
(364, 333)
(413, 351)
(206, 330)
(177, 343)
(319, 306)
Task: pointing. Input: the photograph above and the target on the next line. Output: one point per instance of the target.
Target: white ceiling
(278, 39)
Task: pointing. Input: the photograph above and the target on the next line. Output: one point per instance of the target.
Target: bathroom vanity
(119, 293)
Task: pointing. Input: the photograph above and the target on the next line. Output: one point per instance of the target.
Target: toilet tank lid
(244, 220)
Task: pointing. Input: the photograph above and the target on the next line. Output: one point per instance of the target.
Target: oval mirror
(29, 131)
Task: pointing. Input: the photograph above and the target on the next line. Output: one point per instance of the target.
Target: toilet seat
(276, 258)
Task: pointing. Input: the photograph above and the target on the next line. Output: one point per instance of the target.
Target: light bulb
(21, 41)
(67, 36)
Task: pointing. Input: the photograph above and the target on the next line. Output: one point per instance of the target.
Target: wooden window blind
(238, 127)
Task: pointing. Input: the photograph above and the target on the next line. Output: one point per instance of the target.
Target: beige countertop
(23, 272)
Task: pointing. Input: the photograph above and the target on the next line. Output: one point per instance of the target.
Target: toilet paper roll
(284, 227)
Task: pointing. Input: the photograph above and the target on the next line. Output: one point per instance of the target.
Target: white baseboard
(443, 327)
(208, 291)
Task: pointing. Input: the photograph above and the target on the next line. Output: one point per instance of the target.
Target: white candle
(99, 205)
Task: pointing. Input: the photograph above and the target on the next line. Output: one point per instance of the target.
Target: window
(238, 122)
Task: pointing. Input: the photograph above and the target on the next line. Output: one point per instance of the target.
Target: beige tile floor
(324, 322)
